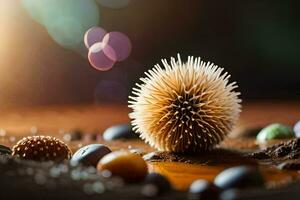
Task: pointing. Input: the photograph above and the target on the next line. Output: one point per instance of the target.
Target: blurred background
(43, 60)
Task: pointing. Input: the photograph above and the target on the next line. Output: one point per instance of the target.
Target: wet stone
(90, 155)
(130, 167)
(239, 177)
(5, 150)
(203, 189)
(117, 132)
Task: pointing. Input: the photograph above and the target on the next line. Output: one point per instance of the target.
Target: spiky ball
(42, 148)
(184, 107)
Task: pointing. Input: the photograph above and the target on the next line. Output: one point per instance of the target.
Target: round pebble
(297, 129)
(117, 132)
(128, 166)
(160, 182)
(202, 189)
(5, 150)
(239, 177)
(90, 155)
(275, 131)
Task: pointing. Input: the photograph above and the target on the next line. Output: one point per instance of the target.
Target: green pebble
(275, 131)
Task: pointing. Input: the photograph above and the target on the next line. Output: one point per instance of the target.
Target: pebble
(117, 132)
(203, 189)
(297, 129)
(275, 131)
(155, 184)
(239, 177)
(90, 155)
(5, 150)
(128, 166)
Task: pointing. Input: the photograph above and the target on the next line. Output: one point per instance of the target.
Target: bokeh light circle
(34, 9)
(66, 32)
(94, 35)
(114, 4)
(98, 59)
(120, 43)
(65, 20)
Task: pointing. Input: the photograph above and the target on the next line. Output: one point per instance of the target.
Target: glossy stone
(128, 166)
(90, 155)
(275, 131)
(239, 177)
(123, 131)
(202, 189)
(297, 129)
(155, 184)
(5, 150)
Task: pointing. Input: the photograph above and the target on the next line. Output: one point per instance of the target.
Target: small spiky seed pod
(42, 148)
(185, 107)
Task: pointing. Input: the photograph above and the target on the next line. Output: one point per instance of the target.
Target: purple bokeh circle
(120, 43)
(98, 59)
(94, 35)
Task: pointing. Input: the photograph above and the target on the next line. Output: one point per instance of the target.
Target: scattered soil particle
(213, 157)
(279, 153)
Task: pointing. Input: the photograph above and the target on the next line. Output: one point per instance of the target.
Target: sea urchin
(184, 107)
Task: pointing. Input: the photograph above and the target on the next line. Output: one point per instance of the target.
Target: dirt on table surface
(285, 155)
(284, 151)
(216, 156)
(51, 120)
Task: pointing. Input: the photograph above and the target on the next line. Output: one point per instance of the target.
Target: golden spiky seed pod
(184, 107)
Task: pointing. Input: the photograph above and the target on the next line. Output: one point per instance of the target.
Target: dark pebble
(239, 177)
(117, 132)
(155, 184)
(90, 155)
(202, 189)
(5, 150)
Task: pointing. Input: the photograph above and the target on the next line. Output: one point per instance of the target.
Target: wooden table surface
(16, 123)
